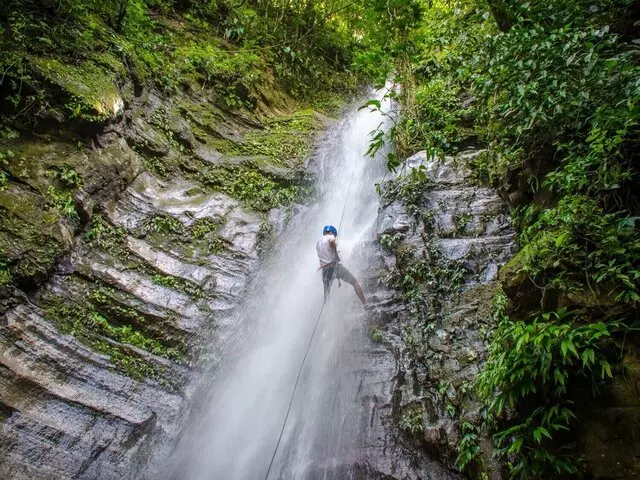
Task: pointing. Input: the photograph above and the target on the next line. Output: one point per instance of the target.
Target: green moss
(253, 188)
(202, 118)
(126, 361)
(165, 167)
(217, 245)
(286, 142)
(92, 92)
(203, 232)
(5, 157)
(31, 239)
(168, 122)
(94, 330)
(513, 273)
(163, 224)
(103, 296)
(4, 179)
(106, 237)
(111, 64)
(376, 334)
(5, 273)
(203, 226)
(177, 283)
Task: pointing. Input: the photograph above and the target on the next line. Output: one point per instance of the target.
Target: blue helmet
(330, 229)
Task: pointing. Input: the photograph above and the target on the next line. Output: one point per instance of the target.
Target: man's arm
(333, 244)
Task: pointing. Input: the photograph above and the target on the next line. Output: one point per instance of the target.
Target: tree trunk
(122, 13)
(501, 14)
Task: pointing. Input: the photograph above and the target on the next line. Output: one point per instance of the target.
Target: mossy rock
(52, 188)
(512, 274)
(146, 140)
(32, 237)
(271, 99)
(34, 161)
(91, 90)
(517, 284)
(595, 301)
(286, 141)
(34, 232)
(106, 172)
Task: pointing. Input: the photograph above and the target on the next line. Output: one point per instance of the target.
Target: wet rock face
(432, 286)
(119, 262)
(69, 411)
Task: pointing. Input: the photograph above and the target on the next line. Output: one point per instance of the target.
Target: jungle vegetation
(229, 45)
(549, 89)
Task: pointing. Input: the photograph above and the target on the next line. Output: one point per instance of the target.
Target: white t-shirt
(326, 252)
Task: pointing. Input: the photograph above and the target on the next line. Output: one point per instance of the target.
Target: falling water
(251, 390)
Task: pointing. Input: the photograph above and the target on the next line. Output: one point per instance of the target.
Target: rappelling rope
(306, 353)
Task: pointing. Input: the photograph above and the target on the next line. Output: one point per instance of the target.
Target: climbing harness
(306, 353)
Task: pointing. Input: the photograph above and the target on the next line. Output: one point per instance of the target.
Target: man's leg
(344, 274)
(327, 278)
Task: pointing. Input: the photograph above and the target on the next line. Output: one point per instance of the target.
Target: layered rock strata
(124, 255)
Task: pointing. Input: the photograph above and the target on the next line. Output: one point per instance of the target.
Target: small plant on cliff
(376, 335)
(286, 142)
(104, 235)
(62, 202)
(468, 446)
(176, 283)
(60, 195)
(165, 280)
(539, 359)
(5, 273)
(163, 224)
(4, 179)
(389, 241)
(252, 187)
(5, 156)
(412, 420)
(203, 226)
(410, 189)
(94, 329)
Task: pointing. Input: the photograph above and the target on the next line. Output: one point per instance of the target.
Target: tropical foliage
(550, 90)
(229, 45)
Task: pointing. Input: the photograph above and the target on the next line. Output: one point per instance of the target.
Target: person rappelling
(330, 265)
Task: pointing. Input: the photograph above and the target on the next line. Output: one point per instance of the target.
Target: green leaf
(373, 102)
(588, 357)
(392, 162)
(515, 446)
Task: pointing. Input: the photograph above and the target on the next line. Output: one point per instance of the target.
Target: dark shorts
(336, 271)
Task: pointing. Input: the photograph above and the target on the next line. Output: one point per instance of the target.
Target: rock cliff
(441, 240)
(124, 251)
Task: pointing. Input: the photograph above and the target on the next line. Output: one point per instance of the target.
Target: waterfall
(235, 435)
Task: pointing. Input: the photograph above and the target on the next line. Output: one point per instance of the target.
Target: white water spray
(249, 397)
